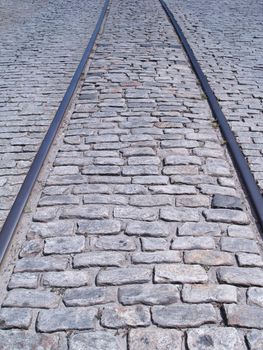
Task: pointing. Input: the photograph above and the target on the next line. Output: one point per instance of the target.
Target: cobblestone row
(142, 238)
(227, 40)
(41, 44)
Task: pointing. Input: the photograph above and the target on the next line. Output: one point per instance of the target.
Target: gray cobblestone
(98, 340)
(216, 338)
(161, 294)
(88, 296)
(180, 274)
(121, 317)
(66, 319)
(124, 276)
(183, 316)
(31, 298)
(15, 318)
(155, 338)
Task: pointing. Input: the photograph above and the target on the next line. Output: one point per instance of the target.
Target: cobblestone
(135, 236)
(39, 56)
(234, 71)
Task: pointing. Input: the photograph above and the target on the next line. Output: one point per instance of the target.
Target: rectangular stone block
(122, 317)
(244, 316)
(66, 319)
(183, 316)
(121, 276)
(180, 273)
(99, 259)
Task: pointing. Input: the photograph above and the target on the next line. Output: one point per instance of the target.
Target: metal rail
(16, 211)
(239, 160)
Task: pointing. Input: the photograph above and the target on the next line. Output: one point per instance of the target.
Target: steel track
(240, 163)
(18, 206)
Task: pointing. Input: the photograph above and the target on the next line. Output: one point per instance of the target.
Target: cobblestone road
(227, 39)
(41, 44)
(142, 238)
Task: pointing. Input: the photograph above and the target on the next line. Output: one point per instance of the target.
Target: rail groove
(18, 206)
(242, 167)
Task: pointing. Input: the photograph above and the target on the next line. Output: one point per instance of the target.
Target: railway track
(142, 234)
(238, 158)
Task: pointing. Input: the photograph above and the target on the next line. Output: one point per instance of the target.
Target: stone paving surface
(227, 39)
(142, 238)
(41, 44)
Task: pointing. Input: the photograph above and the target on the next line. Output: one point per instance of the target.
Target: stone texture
(244, 316)
(227, 202)
(157, 257)
(67, 279)
(255, 296)
(152, 229)
(97, 227)
(209, 293)
(148, 295)
(99, 340)
(66, 319)
(241, 276)
(16, 339)
(255, 339)
(215, 338)
(226, 215)
(155, 339)
(31, 298)
(209, 257)
(124, 276)
(230, 244)
(121, 317)
(180, 274)
(185, 243)
(183, 316)
(86, 296)
(99, 259)
(15, 318)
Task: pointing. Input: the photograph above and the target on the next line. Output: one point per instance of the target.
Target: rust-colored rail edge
(18, 206)
(240, 163)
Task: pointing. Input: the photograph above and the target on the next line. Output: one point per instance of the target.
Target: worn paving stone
(41, 264)
(230, 244)
(226, 215)
(249, 260)
(180, 274)
(153, 244)
(67, 279)
(255, 296)
(121, 243)
(152, 229)
(183, 316)
(86, 296)
(121, 276)
(255, 339)
(155, 339)
(97, 227)
(23, 280)
(64, 245)
(121, 317)
(149, 295)
(199, 229)
(31, 298)
(209, 257)
(156, 257)
(16, 339)
(99, 340)
(227, 202)
(214, 338)
(15, 318)
(241, 276)
(99, 259)
(244, 316)
(209, 293)
(66, 319)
